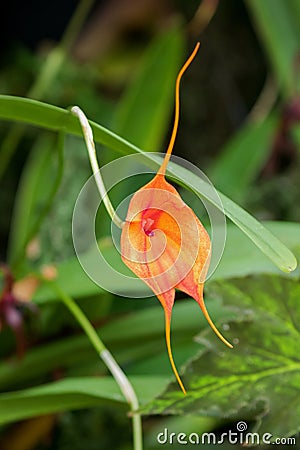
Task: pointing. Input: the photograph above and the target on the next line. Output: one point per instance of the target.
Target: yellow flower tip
(214, 328)
(168, 342)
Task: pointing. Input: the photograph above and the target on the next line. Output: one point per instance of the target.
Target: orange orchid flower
(164, 243)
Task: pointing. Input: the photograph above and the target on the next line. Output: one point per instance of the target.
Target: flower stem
(129, 394)
(89, 141)
(110, 362)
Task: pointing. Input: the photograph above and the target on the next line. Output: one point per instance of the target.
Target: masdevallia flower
(164, 243)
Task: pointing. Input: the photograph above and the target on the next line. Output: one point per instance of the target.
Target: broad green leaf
(51, 117)
(279, 24)
(20, 109)
(72, 394)
(262, 372)
(241, 257)
(142, 114)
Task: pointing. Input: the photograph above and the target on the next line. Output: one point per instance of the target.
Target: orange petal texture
(164, 243)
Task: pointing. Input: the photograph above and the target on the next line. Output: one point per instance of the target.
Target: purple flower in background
(12, 309)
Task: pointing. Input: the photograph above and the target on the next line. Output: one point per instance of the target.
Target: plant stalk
(110, 362)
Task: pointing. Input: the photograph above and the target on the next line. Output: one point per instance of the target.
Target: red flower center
(147, 225)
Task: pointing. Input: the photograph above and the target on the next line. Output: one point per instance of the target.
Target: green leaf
(261, 374)
(241, 257)
(142, 114)
(243, 157)
(278, 24)
(72, 394)
(56, 118)
(51, 117)
(261, 236)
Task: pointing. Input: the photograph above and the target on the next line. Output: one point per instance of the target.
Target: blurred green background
(240, 112)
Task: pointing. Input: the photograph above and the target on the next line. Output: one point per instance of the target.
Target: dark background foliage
(239, 123)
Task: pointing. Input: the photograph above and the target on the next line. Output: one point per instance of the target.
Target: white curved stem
(89, 140)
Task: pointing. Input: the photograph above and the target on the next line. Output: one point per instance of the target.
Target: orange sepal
(164, 243)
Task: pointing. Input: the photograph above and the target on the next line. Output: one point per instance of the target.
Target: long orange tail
(168, 342)
(163, 167)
